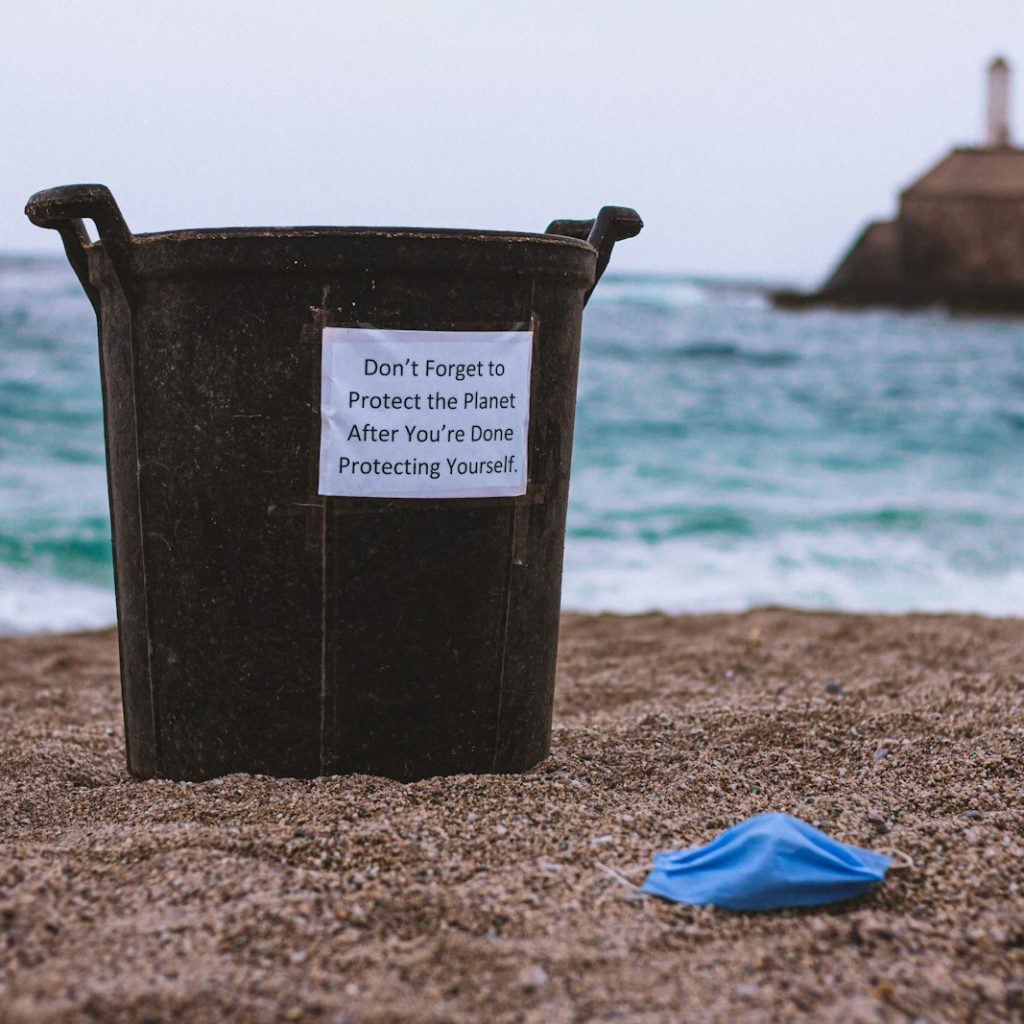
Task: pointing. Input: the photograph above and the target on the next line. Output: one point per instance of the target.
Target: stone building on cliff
(958, 239)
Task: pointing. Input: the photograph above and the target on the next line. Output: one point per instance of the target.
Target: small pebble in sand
(533, 977)
(880, 753)
(879, 823)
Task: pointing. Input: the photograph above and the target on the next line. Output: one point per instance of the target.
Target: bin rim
(364, 231)
(184, 253)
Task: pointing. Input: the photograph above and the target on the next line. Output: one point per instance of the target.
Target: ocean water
(727, 455)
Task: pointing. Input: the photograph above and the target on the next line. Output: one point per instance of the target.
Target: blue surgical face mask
(764, 863)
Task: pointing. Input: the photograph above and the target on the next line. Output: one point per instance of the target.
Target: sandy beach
(512, 898)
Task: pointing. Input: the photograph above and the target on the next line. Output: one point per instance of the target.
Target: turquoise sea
(727, 455)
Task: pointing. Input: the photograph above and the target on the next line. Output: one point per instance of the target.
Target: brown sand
(495, 898)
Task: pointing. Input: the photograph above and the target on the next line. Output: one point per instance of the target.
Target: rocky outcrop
(957, 241)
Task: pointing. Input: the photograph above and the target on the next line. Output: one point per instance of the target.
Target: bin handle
(65, 209)
(612, 224)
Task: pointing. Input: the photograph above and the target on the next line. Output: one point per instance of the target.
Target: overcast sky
(754, 137)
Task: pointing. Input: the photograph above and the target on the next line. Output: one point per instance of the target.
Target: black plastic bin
(265, 626)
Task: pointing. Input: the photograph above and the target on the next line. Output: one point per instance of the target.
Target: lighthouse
(997, 121)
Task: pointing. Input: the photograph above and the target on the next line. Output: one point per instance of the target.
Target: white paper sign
(424, 414)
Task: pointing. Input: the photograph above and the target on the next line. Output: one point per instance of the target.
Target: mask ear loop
(908, 861)
(617, 875)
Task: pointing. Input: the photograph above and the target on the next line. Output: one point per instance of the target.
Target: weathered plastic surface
(264, 628)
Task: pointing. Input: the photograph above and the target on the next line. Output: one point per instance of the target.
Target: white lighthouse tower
(997, 121)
